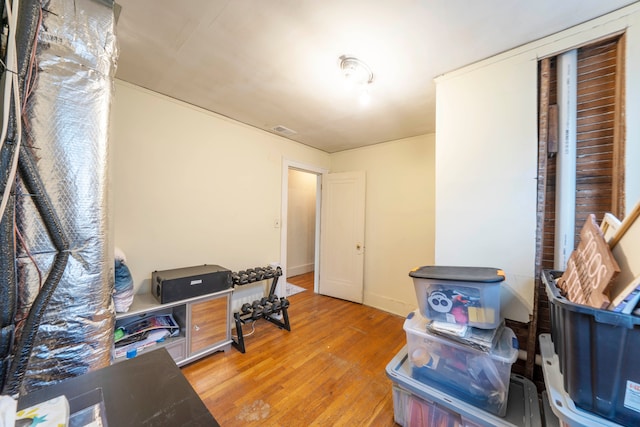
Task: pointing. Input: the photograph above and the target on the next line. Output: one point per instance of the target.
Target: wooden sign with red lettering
(590, 269)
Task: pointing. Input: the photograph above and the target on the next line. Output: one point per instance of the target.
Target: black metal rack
(265, 308)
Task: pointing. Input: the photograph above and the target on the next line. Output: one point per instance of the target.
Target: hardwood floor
(329, 370)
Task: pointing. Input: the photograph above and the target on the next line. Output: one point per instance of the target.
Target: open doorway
(300, 232)
(338, 271)
(301, 229)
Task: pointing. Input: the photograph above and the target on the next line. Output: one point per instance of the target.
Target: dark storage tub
(598, 352)
(560, 405)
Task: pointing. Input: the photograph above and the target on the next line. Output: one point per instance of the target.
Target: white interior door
(342, 236)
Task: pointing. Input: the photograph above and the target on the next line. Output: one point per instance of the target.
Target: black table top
(148, 390)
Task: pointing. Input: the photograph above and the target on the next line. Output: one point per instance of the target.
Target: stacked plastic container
(457, 344)
(467, 373)
(459, 295)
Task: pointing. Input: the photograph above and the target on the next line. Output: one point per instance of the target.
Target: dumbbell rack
(264, 308)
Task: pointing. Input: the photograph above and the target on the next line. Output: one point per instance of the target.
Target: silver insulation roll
(66, 128)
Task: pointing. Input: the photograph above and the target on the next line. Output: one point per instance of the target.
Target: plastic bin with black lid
(461, 295)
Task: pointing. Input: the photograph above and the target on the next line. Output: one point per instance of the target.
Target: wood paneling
(208, 323)
(597, 69)
(329, 370)
(600, 150)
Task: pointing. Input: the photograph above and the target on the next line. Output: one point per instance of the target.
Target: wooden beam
(619, 134)
(552, 130)
(543, 136)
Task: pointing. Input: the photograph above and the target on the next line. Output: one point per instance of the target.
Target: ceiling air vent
(284, 130)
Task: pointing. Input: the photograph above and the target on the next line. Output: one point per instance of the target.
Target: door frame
(318, 171)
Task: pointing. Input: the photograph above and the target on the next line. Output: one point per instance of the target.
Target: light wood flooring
(329, 370)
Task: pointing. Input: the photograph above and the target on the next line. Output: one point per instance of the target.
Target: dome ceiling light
(355, 71)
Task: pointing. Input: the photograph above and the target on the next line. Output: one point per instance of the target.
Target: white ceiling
(271, 63)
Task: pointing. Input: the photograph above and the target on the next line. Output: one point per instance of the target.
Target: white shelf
(144, 303)
(168, 342)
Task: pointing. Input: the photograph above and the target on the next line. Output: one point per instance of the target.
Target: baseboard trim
(299, 269)
(401, 308)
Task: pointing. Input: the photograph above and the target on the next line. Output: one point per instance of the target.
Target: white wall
(399, 214)
(301, 222)
(486, 155)
(190, 187)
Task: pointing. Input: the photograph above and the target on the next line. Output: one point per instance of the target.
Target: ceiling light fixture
(355, 71)
(358, 76)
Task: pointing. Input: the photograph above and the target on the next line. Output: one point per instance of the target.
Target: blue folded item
(123, 287)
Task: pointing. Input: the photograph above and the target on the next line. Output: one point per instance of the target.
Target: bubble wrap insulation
(67, 124)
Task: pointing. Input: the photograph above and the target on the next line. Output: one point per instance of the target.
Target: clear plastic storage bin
(481, 378)
(418, 404)
(411, 410)
(461, 295)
